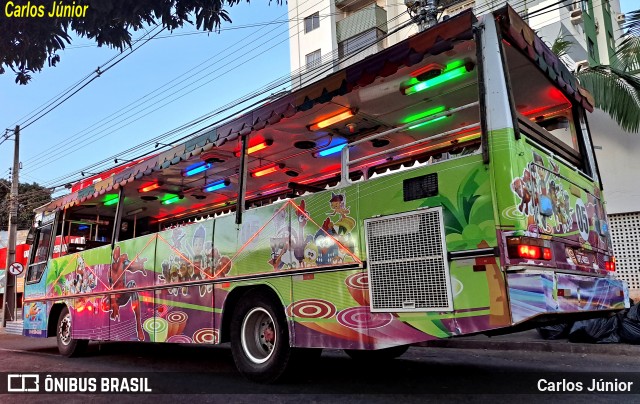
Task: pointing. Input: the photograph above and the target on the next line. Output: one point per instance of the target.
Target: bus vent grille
(407, 262)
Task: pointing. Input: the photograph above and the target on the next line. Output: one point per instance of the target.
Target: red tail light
(611, 264)
(534, 252)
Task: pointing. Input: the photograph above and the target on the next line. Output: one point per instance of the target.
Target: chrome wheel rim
(64, 332)
(258, 335)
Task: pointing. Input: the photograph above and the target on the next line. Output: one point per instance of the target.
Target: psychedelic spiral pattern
(180, 339)
(177, 321)
(157, 328)
(362, 317)
(205, 336)
(358, 280)
(358, 287)
(312, 308)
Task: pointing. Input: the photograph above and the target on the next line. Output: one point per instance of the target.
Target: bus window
(545, 114)
(86, 226)
(561, 127)
(41, 246)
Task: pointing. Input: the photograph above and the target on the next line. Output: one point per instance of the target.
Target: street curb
(538, 346)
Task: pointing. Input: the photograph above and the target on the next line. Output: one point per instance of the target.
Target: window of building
(584, 4)
(313, 59)
(591, 48)
(358, 42)
(612, 42)
(311, 22)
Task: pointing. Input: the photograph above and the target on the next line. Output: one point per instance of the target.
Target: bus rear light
(611, 264)
(529, 248)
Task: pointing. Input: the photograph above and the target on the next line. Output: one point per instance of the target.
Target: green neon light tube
(427, 122)
(110, 200)
(442, 78)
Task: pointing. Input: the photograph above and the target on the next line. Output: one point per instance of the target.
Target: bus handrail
(345, 162)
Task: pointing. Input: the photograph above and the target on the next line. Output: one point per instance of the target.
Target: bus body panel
(532, 294)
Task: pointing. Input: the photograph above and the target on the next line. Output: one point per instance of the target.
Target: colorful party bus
(444, 186)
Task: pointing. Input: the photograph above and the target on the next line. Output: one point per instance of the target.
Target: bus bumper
(537, 293)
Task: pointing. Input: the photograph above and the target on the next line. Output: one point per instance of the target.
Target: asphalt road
(178, 372)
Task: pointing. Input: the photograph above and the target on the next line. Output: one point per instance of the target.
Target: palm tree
(616, 87)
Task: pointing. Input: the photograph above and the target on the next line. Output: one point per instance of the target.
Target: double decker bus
(445, 186)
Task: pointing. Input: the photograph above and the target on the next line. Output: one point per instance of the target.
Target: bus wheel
(68, 346)
(377, 355)
(260, 339)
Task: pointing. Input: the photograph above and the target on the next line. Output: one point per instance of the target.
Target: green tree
(30, 196)
(26, 44)
(616, 87)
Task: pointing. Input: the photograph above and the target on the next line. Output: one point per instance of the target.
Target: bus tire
(260, 338)
(377, 355)
(68, 346)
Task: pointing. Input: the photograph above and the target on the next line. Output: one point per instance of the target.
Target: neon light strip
(111, 201)
(150, 187)
(197, 169)
(442, 78)
(171, 200)
(426, 123)
(256, 148)
(332, 150)
(216, 186)
(332, 120)
(265, 171)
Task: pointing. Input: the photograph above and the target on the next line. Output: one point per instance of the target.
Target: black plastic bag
(630, 331)
(556, 331)
(634, 313)
(596, 331)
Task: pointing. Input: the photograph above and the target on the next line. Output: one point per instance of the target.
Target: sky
(215, 68)
(195, 74)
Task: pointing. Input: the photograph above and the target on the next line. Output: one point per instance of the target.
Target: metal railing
(345, 158)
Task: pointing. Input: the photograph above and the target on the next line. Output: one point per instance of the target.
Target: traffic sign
(16, 268)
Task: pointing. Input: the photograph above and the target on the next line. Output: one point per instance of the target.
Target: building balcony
(351, 5)
(367, 18)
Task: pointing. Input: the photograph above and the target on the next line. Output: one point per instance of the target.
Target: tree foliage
(30, 196)
(27, 43)
(616, 87)
(561, 45)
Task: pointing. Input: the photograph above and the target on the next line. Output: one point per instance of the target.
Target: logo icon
(27, 383)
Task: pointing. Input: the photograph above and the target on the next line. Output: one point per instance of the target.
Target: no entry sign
(16, 268)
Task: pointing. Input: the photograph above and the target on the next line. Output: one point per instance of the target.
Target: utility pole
(9, 305)
(423, 12)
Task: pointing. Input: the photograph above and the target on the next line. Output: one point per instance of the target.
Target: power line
(187, 93)
(173, 100)
(261, 101)
(97, 73)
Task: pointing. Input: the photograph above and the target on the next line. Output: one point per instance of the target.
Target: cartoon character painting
(120, 266)
(543, 198)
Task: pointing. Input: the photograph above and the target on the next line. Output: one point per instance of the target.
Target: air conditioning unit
(581, 65)
(620, 18)
(576, 17)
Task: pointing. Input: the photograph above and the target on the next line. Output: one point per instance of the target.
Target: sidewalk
(531, 341)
